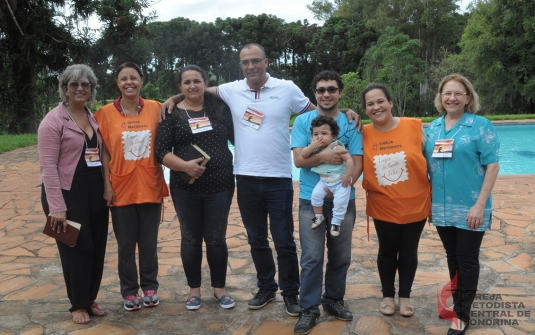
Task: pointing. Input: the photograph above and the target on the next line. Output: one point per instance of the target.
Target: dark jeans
(203, 216)
(462, 252)
(259, 198)
(137, 225)
(84, 263)
(313, 243)
(398, 251)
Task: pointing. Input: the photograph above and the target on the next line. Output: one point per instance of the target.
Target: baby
(336, 178)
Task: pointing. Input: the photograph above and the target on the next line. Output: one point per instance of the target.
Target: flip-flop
(193, 303)
(225, 301)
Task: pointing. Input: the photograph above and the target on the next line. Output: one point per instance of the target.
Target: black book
(193, 152)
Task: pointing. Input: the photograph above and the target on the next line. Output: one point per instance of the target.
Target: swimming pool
(517, 150)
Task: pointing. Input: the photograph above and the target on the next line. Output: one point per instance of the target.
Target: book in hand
(69, 237)
(193, 152)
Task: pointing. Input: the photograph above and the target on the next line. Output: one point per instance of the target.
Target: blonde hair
(472, 107)
(75, 72)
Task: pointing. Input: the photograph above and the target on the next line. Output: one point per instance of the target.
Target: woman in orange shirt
(133, 184)
(397, 193)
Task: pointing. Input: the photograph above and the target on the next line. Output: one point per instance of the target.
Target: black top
(82, 170)
(175, 135)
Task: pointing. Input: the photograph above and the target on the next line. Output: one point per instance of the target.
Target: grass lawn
(11, 142)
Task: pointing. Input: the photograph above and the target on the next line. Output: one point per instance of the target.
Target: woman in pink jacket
(69, 144)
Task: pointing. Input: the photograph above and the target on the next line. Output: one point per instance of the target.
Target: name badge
(92, 157)
(443, 149)
(199, 125)
(252, 118)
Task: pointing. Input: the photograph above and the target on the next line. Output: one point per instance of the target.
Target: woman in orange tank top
(397, 193)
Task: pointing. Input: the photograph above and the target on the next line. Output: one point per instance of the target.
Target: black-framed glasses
(254, 61)
(454, 94)
(331, 90)
(74, 85)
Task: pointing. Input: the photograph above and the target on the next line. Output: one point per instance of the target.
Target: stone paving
(33, 298)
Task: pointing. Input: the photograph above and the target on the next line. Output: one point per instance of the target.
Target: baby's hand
(316, 143)
(346, 180)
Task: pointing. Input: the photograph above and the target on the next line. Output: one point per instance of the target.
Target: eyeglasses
(254, 61)
(455, 94)
(74, 85)
(331, 90)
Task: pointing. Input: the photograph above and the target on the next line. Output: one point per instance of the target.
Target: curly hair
(325, 120)
(327, 75)
(73, 73)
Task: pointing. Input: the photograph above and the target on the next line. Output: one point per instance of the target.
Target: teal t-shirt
(301, 136)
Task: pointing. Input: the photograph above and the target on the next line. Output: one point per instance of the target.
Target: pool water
(517, 150)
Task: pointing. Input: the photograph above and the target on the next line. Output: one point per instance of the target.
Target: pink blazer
(60, 143)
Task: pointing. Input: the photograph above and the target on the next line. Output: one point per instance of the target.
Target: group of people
(396, 155)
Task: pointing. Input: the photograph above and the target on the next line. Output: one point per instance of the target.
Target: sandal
(405, 307)
(83, 320)
(193, 303)
(96, 310)
(387, 308)
(225, 301)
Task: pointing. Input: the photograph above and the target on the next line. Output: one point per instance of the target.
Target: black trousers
(398, 252)
(462, 252)
(84, 263)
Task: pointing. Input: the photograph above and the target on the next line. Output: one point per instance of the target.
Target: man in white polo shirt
(261, 107)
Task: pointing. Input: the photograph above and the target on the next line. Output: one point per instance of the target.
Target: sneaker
(292, 305)
(335, 231)
(316, 221)
(261, 298)
(338, 310)
(306, 322)
(131, 303)
(150, 298)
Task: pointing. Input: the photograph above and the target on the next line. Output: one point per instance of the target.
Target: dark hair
(375, 86)
(250, 45)
(128, 65)
(325, 120)
(212, 105)
(178, 77)
(327, 75)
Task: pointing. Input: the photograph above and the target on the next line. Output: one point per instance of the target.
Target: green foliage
(11, 142)
(499, 45)
(149, 91)
(353, 85)
(395, 62)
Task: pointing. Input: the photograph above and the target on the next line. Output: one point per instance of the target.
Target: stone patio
(33, 299)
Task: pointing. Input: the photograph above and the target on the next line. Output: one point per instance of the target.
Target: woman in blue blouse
(462, 157)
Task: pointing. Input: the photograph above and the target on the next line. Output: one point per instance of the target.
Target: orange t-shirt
(136, 176)
(395, 173)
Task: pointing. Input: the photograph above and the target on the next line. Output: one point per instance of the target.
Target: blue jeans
(259, 197)
(203, 216)
(312, 256)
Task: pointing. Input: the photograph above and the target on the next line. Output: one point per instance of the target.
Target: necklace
(123, 110)
(186, 110)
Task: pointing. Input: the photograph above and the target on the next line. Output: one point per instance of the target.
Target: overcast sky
(208, 11)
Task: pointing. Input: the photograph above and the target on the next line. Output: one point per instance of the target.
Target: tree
(499, 46)
(353, 85)
(395, 62)
(36, 43)
(324, 9)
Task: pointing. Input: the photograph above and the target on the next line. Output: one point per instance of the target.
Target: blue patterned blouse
(457, 181)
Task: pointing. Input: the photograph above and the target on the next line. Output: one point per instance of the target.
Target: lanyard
(85, 135)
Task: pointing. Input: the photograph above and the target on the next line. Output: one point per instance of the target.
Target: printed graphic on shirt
(136, 144)
(391, 169)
